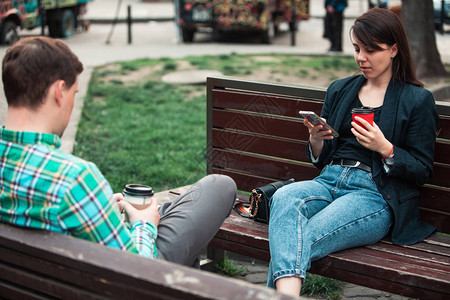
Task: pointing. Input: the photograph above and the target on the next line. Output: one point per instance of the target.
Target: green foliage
(170, 66)
(230, 267)
(322, 286)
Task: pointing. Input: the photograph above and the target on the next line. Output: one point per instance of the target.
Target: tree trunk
(417, 18)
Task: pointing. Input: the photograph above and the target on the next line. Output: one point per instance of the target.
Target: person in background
(43, 187)
(333, 23)
(380, 4)
(370, 176)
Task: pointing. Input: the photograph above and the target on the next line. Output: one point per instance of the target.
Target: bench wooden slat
(263, 165)
(41, 275)
(441, 240)
(439, 219)
(434, 197)
(263, 124)
(381, 264)
(425, 257)
(273, 104)
(429, 245)
(289, 149)
(15, 280)
(325, 267)
(441, 152)
(443, 128)
(10, 291)
(441, 173)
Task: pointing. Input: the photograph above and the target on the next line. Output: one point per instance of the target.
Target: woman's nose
(361, 56)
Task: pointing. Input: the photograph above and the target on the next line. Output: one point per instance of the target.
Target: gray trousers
(191, 221)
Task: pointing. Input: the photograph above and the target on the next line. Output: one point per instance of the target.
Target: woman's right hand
(316, 137)
(316, 133)
(150, 213)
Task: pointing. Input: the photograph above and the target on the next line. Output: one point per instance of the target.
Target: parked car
(437, 4)
(261, 16)
(61, 17)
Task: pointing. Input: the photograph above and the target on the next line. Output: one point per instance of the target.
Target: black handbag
(259, 209)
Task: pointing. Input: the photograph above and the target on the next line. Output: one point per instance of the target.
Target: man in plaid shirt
(43, 187)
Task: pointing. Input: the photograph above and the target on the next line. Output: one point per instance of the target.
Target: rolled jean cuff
(288, 273)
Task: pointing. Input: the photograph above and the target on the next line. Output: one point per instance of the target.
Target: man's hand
(150, 213)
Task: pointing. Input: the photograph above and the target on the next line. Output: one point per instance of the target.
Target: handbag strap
(255, 199)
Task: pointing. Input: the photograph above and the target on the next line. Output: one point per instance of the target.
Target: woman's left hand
(371, 137)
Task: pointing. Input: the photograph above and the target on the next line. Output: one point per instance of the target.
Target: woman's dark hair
(32, 65)
(379, 25)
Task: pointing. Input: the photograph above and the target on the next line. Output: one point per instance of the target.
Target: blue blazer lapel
(388, 117)
(387, 122)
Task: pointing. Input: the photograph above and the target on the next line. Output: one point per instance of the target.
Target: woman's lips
(364, 68)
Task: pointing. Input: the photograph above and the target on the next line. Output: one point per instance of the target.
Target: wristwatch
(388, 163)
(389, 160)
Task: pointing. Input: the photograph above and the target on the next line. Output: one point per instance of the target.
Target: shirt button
(388, 197)
(381, 183)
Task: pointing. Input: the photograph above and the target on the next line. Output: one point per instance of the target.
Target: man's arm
(88, 211)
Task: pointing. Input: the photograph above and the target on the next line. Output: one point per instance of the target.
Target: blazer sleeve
(330, 98)
(415, 141)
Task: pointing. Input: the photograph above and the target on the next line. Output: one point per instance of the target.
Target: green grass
(151, 134)
(316, 285)
(229, 267)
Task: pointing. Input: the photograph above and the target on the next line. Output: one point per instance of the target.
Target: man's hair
(32, 65)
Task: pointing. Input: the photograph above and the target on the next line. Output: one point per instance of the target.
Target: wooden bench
(38, 264)
(255, 135)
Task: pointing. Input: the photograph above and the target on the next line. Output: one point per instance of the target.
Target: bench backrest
(255, 135)
(38, 264)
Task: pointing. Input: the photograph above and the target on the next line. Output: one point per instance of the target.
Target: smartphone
(314, 119)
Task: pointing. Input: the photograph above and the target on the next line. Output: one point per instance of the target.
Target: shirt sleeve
(88, 211)
(311, 157)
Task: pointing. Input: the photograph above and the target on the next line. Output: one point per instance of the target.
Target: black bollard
(293, 25)
(129, 24)
(441, 30)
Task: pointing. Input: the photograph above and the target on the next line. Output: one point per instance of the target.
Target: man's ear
(58, 89)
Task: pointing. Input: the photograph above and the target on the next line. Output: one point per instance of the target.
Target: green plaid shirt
(43, 187)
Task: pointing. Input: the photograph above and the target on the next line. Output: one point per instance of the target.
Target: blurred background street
(160, 38)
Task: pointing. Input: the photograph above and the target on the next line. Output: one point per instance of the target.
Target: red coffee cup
(365, 113)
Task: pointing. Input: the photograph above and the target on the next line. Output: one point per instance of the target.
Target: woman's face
(374, 64)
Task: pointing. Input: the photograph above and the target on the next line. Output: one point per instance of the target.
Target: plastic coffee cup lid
(362, 110)
(138, 190)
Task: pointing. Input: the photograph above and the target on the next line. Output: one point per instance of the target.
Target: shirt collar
(23, 137)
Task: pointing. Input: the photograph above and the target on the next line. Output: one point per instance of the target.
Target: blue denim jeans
(340, 209)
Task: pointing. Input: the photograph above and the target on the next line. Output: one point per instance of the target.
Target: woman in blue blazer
(369, 183)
